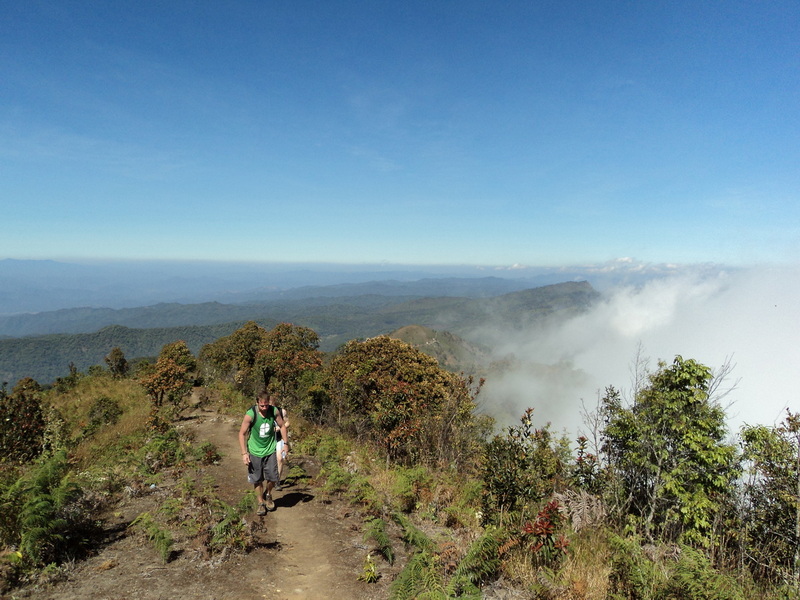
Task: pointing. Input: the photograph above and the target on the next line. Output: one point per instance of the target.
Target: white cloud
(751, 318)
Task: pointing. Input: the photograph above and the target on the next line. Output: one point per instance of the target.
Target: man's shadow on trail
(289, 499)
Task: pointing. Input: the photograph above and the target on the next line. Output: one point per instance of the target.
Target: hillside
(453, 353)
(142, 332)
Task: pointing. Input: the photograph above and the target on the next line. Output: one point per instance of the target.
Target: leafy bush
(104, 410)
(22, 422)
(521, 468)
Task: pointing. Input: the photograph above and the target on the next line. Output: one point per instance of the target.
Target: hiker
(282, 442)
(258, 444)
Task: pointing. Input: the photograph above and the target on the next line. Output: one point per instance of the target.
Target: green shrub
(104, 410)
(520, 469)
(694, 578)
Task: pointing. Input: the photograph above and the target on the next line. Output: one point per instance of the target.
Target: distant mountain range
(33, 286)
(92, 332)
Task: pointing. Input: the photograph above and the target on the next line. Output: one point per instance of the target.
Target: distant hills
(35, 286)
(84, 336)
(284, 305)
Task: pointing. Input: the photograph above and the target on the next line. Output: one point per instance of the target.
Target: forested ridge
(656, 500)
(141, 332)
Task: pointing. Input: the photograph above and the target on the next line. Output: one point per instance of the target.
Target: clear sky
(444, 132)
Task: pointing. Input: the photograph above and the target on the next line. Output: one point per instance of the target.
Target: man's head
(263, 400)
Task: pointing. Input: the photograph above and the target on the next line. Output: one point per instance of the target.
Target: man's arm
(243, 430)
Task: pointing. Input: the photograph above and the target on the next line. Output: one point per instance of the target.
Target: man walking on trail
(258, 445)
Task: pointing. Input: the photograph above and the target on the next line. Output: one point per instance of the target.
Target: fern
(481, 562)
(419, 576)
(460, 586)
(229, 531)
(376, 531)
(584, 509)
(160, 538)
(42, 521)
(412, 536)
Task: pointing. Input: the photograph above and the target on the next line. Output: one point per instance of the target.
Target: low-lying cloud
(749, 318)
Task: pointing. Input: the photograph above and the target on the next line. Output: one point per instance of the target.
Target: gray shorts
(262, 468)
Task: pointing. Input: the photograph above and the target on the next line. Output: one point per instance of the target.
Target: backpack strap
(254, 408)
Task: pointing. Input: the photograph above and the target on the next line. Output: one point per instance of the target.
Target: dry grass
(583, 575)
(75, 405)
(588, 566)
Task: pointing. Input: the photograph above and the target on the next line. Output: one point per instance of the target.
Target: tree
(255, 358)
(288, 352)
(771, 511)
(180, 354)
(400, 398)
(233, 357)
(169, 379)
(117, 363)
(667, 452)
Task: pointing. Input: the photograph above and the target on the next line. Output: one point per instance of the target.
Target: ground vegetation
(661, 502)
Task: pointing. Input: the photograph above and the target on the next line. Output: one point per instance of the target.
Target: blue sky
(492, 133)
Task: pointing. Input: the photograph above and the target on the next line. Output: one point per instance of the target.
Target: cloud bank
(750, 318)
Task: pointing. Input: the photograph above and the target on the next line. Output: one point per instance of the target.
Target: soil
(310, 547)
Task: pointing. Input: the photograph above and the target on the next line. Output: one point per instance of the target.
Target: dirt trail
(308, 549)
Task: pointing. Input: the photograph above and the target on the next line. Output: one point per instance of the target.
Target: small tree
(179, 353)
(667, 453)
(401, 399)
(288, 352)
(169, 380)
(772, 498)
(117, 363)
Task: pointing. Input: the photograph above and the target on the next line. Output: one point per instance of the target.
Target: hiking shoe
(269, 503)
(278, 487)
(262, 509)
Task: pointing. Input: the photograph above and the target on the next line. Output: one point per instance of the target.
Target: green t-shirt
(262, 432)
